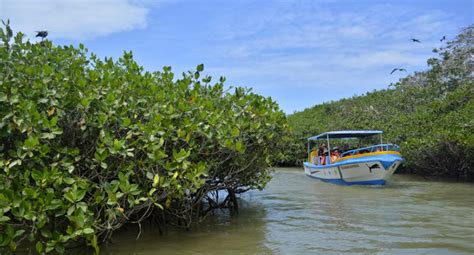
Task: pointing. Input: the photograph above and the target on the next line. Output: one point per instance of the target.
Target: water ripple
(299, 215)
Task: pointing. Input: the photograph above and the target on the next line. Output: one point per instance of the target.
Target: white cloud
(314, 46)
(74, 19)
(310, 27)
(379, 58)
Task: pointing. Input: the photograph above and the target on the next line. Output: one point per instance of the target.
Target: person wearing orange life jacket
(335, 155)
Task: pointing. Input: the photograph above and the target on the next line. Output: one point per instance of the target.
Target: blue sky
(300, 53)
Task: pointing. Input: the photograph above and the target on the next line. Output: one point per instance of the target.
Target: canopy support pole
(329, 150)
(309, 155)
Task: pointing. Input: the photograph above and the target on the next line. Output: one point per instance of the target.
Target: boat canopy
(346, 134)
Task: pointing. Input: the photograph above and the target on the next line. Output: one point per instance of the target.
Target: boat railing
(373, 148)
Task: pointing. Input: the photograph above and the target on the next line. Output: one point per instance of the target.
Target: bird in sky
(415, 40)
(442, 39)
(42, 34)
(398, 69)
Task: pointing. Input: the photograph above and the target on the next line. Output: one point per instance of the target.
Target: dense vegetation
(88, 145)
(429, 114)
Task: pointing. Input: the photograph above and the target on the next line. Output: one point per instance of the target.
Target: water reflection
(218, 234)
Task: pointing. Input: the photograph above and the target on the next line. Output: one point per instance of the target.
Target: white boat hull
(371, 172)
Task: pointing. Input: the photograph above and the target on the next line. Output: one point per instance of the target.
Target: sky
(300, 53)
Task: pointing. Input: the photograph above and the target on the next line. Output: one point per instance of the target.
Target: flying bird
(442, 39)
(415, 40)
(42, 34)
(398, 69)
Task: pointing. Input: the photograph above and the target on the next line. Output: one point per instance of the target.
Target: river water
(296, 214)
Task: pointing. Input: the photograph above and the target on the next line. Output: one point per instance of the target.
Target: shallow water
(295, 214)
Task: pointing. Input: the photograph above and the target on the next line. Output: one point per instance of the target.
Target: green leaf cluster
(88, 145)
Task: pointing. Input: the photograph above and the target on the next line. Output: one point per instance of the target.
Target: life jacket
(313, 157)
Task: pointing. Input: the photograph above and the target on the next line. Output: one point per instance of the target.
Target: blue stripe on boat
(342, 182)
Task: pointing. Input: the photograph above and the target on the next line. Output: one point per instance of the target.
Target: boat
(371, 165)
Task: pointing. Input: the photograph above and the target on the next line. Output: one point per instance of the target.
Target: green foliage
(87, 145)
(429, 114)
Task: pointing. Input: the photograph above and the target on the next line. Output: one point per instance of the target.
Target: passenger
(345, 148)
(323, 152)
(334, 156)
(313, 156)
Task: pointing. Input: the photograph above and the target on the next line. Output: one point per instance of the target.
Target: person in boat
(335, 154)
(313, 158)
(323, 152)
(344, 148)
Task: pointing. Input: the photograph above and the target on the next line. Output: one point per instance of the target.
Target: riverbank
(295, 214)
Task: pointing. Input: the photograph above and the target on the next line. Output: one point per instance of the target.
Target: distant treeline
(429, 114)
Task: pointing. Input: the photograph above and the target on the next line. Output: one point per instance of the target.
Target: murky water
(299, 215)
